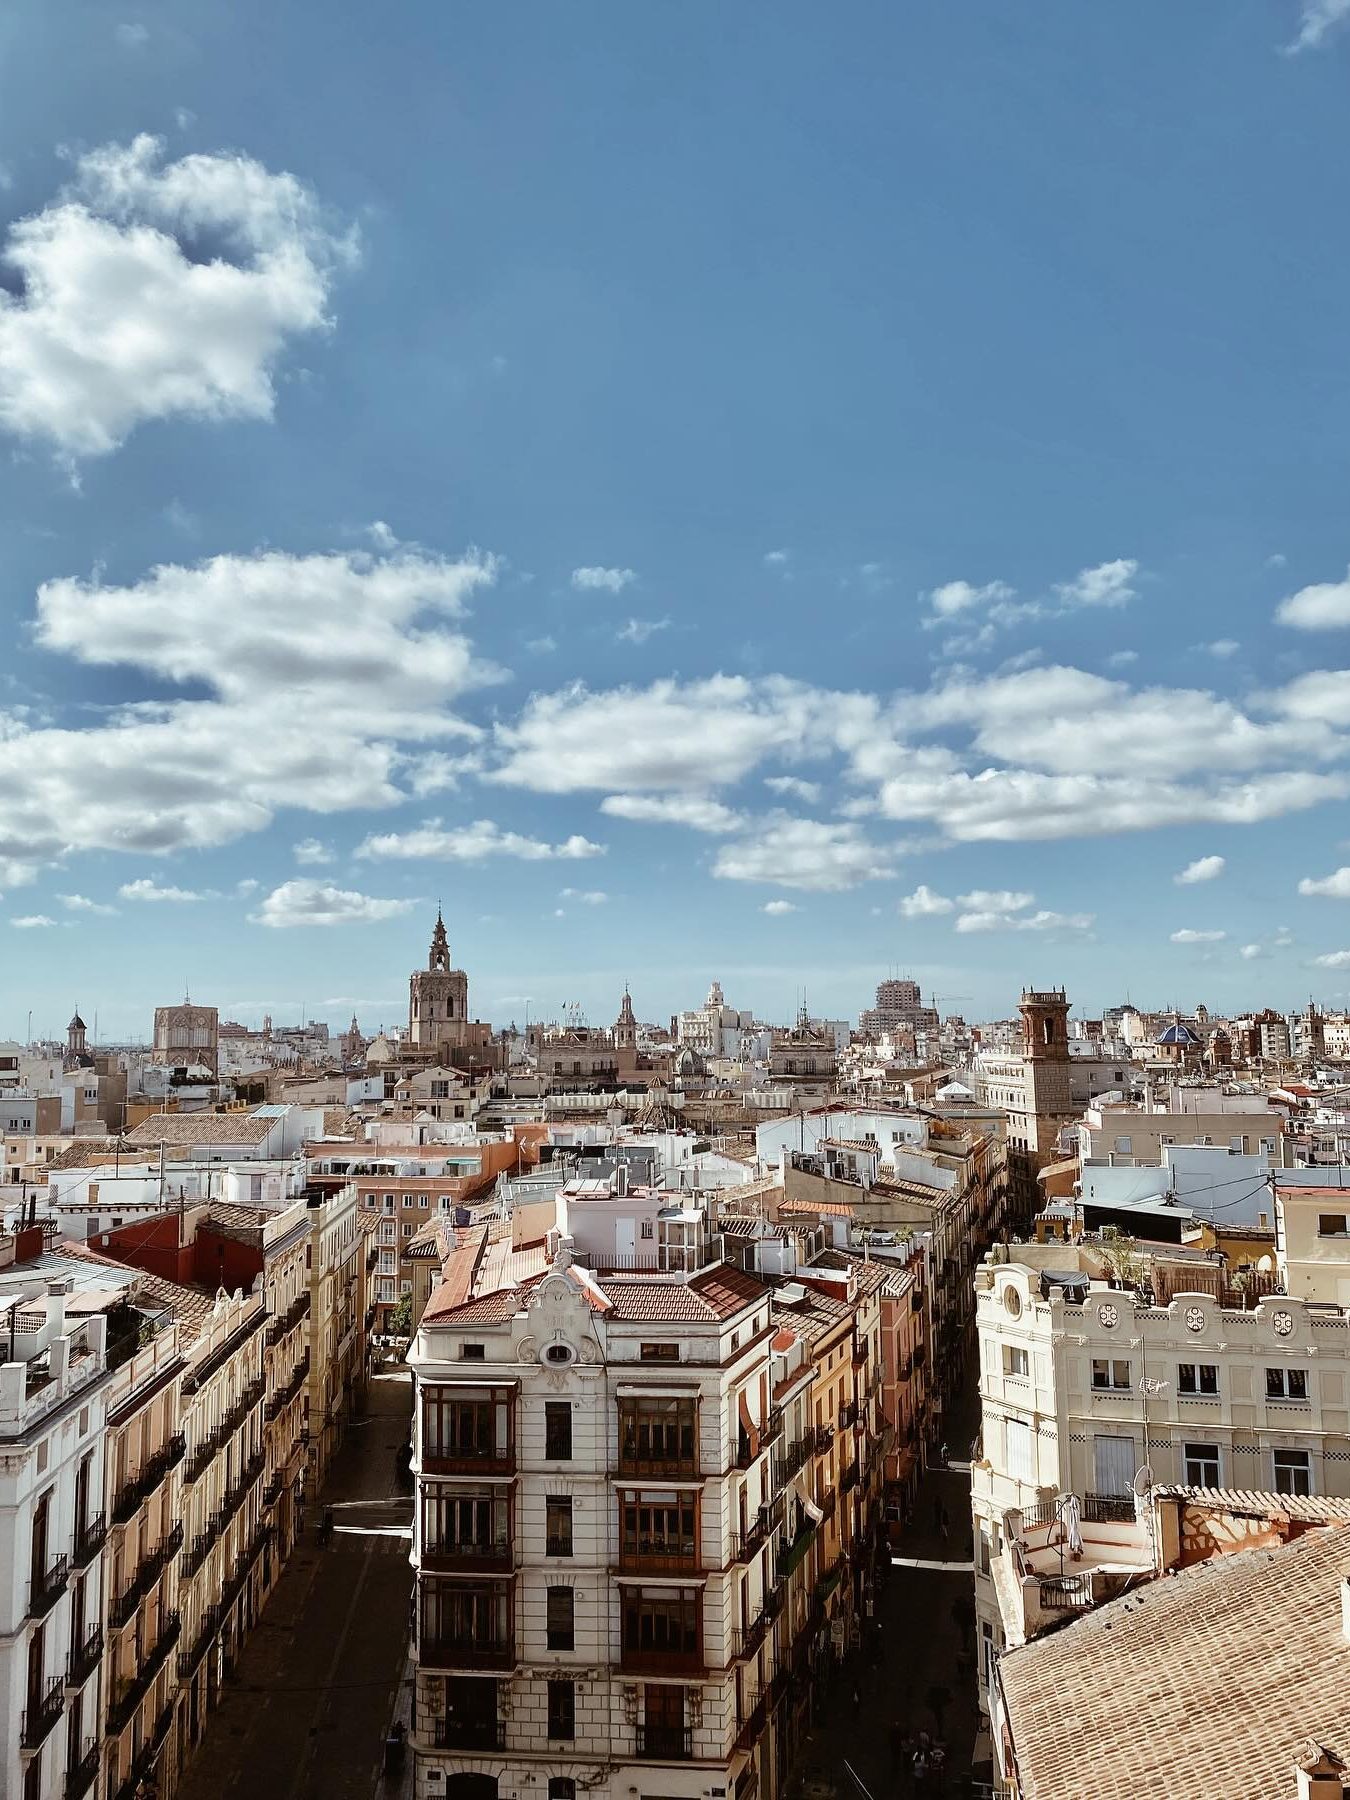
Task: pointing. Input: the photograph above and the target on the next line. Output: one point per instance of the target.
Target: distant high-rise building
(899, 1008)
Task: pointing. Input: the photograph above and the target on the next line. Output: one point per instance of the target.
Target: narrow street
(305, 1712)
(926, 1678)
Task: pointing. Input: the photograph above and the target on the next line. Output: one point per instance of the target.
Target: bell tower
(625, 1026)
(438, 998)
(1045, 1025)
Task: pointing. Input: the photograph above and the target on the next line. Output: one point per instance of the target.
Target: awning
(748, 1425)
(803, 1493)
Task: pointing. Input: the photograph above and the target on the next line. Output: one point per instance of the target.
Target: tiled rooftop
(1206, 1683)
(201, 1128)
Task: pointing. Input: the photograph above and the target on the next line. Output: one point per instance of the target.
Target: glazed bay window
(468, 1525)
(467, 1429)
(658, 1532)
(1197, 1378)
(662, 1629)
(658, 1435)
(1111, 1374)
(1286, 1384)
(465, 1626)
(1293, 1471)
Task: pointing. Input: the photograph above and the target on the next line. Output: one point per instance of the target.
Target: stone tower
(625, 1026)
(76, 1046)
(438, 998)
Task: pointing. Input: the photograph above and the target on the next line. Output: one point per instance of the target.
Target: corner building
(595, 1537)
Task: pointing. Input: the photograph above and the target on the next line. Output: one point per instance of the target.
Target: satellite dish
(1143, 1480)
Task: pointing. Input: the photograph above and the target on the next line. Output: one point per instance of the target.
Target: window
(1286, 1384)
(1122, 1146)
(1293, 1472)
(663, 1529)
(473, 1352)
(562, 1787)
(561, 1623)
(661, 1623)
(412, 1200)
(474, 1522)
(1331, 1225)
(658, 1352)
(1202, 1465)
(1016, 1361)
(558, 1526)
(1237, 1146)
(1114, 1461)
(562, 1712)
(1111, 1373)
(1197, 1378)
(658, 1435)
(646, 1229)
(558, 1430)
(460, 1429)
(407, 1228)
(1020, 1464)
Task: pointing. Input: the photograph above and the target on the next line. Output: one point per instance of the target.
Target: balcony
(89, 1540)
(447, 1459)
(80, 1776)
(284, 1396)
(281, 1323)
(773, 1424)
(746, 1639)
(207, 1627)
(848, 1415)
(659, 1556)
(47, 1587)
(123, 1606)
(448, 1652)
(774, 1596)
(653, 1659)
(665, 1743)
(143, 1764)
(1108, 1509)
(849, 1479)
(747, 1544)
(677, 1466)
(446, 1558)
(85, 1659)
(41, 1715)
(824, 1438)
(127, 1695)
(753, 1723)
(468, 1734)
(147, 1478)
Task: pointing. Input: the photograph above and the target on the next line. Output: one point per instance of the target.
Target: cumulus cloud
(473, 843)
(923, 903)
(808, 854)
(600, 580)
(81, 903)
(1317, 19)
(311, 850)
(1187, 936)
(637, 631)
(1253, 952)
(1223, 648)
(1335, 886)
(1334, 959)
(1204, 868)
(315, 903)
(1008, 911)
(697, 811)
(779, 909)
(584, 896)
(153, 290)
(1324, 606)
(792, 787)
(132, 35)
(996, 900)
(31, 922)
(956, 597)
(1107, 584)
(147, 889)
(777, 559)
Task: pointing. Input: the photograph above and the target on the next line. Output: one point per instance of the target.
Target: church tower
(76, 1047)
(438, 998)
(625, 1026)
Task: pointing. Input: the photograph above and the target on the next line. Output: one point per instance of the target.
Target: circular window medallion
(1013, 1301)
(1108, 1316)
(1195, 1319)
(1284, 1324)
(559, 1355)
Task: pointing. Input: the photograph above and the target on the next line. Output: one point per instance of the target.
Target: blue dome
(1177, 1033)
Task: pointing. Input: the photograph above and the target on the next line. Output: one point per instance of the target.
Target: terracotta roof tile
(201, 1128)
(1201, 1683)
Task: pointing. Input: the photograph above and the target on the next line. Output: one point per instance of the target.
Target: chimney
(1320, 1773)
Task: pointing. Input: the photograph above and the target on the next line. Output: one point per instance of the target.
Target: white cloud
(31, 922)
(1334, 959)
(132, 35)
(923, 903)
(242, 889)
(81, 903)
(1025, 921)
(1324, 606)
(585, 896)
(779, 909)
(956, 597)
(807, 854)
(311, 850)
(1253, 953)
(1121, 659)
(147, 889)
(1187, 936)
(996, 900)
(1204, 868)
(152, 290)
(637, 631)
(1108, 584)
(474, 843)
(315, 903)
(597, 579)
(1335, 886)
(1223, 648)
(1317, 19)
(541, 646)
(696, 811)
(777, 559)
(793, 788)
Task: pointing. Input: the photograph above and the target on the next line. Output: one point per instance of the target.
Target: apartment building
(1100, 1378)
(54, 1385)
(339, 1273)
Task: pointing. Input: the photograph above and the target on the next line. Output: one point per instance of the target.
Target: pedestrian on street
(945, 1458)
(944, 1523)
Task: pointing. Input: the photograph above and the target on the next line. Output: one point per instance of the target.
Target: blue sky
(621, 469)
